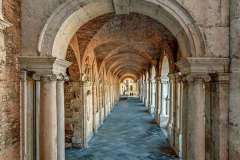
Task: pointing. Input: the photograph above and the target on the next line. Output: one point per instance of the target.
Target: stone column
(196, 72)
(47, 71)
(184, 115)
(164, 85)
(177, 116)
(172, 80)
(102, 107)
(157, 100)
(48, 117)
(196, 124)
(95, 107)
(60, 118)
(234, 87)
(84, 93)
(149, 95)
(219, 116)
(23, 117)
(143, 91)
(153, 88)
(146, 93)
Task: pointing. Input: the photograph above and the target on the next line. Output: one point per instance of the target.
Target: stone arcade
(65, 63)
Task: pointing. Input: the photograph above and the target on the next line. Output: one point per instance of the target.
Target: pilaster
(197, 73)
(49, 102)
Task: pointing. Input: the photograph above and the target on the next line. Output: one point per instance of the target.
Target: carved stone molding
(44, 65)
(203, 65)
(50, 77)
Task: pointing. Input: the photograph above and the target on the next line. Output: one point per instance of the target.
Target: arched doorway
(151, 107)
(165, 109)
(65, 21)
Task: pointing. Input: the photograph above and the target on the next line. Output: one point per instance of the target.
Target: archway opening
(128, 87)
(122, 46)
(165, 95)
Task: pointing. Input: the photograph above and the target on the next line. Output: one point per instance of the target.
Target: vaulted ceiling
(127, 45)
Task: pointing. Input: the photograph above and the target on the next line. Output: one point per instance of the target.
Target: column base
(163, 120)
(173, 136)
(156, 115)
(178, 141)
(95, 130)
(146, 103)
(152, 109)
(169, 137)
(85, 145)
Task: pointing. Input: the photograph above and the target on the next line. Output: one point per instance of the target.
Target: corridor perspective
(129, 133)
(119, 79)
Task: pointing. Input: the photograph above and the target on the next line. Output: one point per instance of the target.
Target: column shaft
(48, 120)
(60, 121)
(196, 127)
(184, 102)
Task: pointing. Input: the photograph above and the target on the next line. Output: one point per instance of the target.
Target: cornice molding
(203, 65)
(44, 65)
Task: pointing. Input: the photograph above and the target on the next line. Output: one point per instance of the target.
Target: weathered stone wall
(213, 19)
(234, 94)
(9, 83)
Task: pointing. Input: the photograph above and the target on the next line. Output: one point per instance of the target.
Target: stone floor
(129, 133)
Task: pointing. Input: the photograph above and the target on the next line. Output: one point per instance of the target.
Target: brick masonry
(9, 83)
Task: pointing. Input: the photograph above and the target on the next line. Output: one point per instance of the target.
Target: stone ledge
(43, 65)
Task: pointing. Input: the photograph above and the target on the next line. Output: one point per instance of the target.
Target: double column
(48, 97)
(196, 101)
(51, 118)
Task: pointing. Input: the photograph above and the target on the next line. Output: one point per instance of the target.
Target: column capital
(196, 78)
(50, 77)
(200, 65)
(158, 78)
(172, 77)
(23, 75)
(178, 77)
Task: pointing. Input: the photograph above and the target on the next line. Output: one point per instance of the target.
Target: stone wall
(213, 19)
(9, 83)
(234, 97)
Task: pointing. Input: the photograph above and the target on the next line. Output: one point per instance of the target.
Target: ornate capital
(178, 77)
(158, 78)
(196, 78)
(50, 77)
(172, 78)
(23, 75)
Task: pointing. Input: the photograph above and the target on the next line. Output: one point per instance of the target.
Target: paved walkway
(129, 133)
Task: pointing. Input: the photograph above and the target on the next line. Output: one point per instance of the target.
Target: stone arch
(71, 15)
(165, 94)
